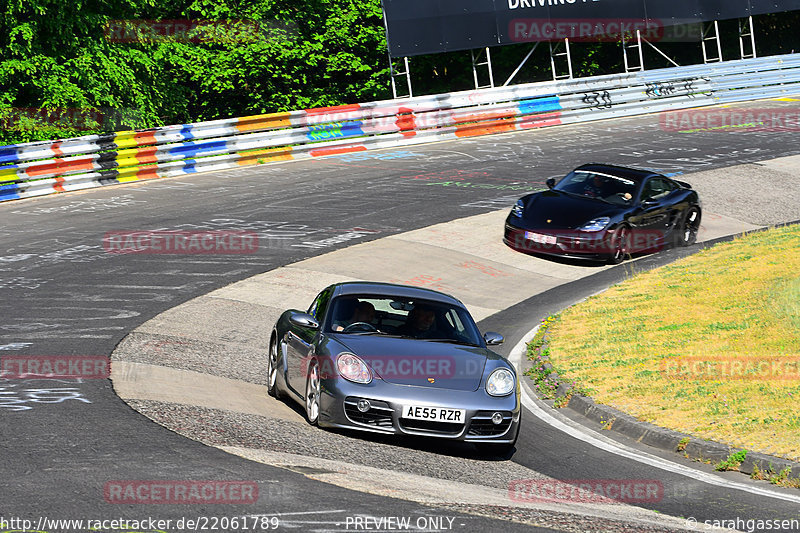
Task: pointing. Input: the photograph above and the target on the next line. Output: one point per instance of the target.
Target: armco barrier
(39, 168)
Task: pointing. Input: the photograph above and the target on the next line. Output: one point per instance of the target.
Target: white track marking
(609, 445)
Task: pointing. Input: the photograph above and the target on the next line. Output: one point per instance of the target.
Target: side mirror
(492, 338)
(304, 320)
(551, 182)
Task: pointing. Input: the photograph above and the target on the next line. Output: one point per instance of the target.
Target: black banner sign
(416, 27)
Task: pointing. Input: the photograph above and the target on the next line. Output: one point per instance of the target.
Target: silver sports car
(394, 359)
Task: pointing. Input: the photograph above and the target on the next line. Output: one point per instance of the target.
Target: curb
(688, 446)
(674, 441)
(694, 448)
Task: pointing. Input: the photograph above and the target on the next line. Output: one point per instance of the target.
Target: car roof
(391, 289)
(633, 174)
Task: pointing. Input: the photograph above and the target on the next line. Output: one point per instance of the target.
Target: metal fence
(40, 168)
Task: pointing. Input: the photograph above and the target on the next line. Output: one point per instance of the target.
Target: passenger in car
(420, 323)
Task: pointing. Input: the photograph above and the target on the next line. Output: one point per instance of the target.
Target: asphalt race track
(63, 294)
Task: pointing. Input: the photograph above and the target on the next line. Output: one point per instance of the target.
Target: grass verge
(709, 345)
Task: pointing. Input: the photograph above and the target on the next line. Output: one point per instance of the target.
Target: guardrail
(39, 168)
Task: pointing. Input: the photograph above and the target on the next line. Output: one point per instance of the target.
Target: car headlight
(518, 208)
(500, 382)
(596, 224)
(352, 368)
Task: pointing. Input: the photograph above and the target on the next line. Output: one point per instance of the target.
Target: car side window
(657, 188)
(320, 304)
(455, 322)
(669, 186)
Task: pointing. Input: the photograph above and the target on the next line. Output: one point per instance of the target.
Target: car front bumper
(585, 245)
(339, 409)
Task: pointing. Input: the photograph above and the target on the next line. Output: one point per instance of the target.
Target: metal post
(706, 57)
(554, 54)
(521, 64)
(394, 74)
(487, 64)
(553, 61)
(665, 56)
(654, 47)
(638, 46)
(408, 77)
(569, 56)
(744, 32)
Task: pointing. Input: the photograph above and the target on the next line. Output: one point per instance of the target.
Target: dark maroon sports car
(605, 212)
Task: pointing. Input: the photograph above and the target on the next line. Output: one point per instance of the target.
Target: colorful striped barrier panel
(40, 168)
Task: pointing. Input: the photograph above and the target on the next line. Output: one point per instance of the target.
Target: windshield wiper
(579, 195)
(452, 341)
(568, 193)
(376, 332)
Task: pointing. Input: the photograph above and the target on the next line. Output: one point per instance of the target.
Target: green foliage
(56, 63)
(58, 56)
(546, 379)
(733, 462)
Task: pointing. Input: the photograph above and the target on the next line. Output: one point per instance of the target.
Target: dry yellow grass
(738, 301)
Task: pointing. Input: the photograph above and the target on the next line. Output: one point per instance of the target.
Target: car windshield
(599, 186)
(402, 317)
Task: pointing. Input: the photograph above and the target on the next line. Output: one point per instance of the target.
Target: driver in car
(595, 186)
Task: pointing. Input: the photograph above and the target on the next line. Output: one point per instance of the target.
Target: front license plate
(538, 237)
(434, 414)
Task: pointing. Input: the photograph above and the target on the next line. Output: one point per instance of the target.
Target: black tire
(619, 245)
(686, 230)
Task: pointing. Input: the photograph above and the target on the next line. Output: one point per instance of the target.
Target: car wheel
(619, 245)
(686, 232)
(313, 388)
(272, 370)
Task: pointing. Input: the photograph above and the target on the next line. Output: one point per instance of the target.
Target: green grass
(737, 303)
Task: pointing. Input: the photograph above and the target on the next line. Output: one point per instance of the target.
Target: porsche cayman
(395, 359)
(605, 212)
